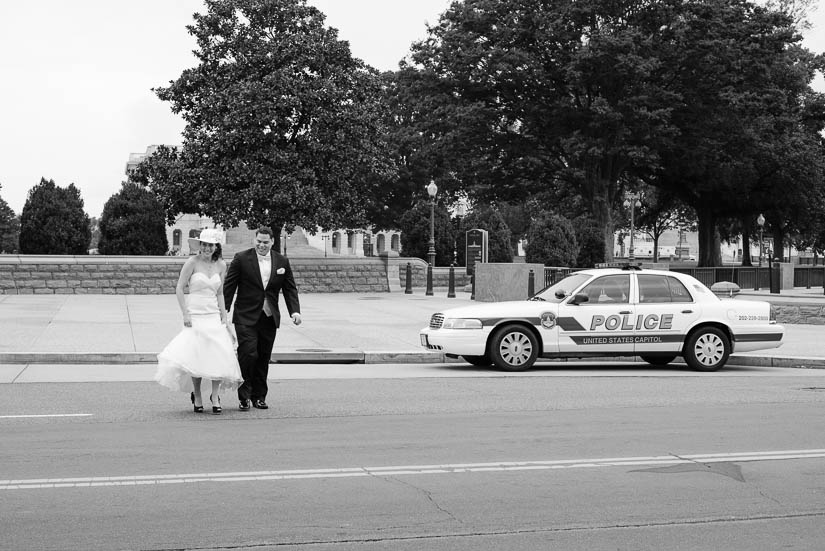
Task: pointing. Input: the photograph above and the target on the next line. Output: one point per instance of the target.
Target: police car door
(600, 325)
(665, 311)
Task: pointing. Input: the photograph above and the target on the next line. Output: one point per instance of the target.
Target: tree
(552, 241)
(283, 125)
(590, 240)
(518, 96)
(9, 228)
(742, 82)
(661, 211)
(53, 221)
(415, 228)
(133, 222)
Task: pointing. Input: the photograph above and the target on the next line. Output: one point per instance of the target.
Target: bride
(204, 349)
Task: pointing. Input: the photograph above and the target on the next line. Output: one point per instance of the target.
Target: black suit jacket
(244, 276)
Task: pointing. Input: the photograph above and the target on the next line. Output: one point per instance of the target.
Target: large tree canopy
(283, 125)
(706, 99)
(519, 95)
(743, 84)
(133, 222)
(53, 221)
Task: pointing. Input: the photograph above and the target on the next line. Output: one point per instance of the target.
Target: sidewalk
(337, 327)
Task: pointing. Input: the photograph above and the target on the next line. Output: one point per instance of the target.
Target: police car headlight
(461, 323)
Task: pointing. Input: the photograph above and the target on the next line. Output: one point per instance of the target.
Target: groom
(259, 275)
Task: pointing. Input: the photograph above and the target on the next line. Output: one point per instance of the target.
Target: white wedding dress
(203, 350)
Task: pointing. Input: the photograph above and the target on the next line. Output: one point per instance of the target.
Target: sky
(76, 80)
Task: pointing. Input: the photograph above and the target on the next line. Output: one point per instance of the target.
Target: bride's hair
(217, 254)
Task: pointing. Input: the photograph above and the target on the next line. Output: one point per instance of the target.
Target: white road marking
(400, 470)
(47, 415)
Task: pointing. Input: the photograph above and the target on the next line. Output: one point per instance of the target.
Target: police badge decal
(548, 320)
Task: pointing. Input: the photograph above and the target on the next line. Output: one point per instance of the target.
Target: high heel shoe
(198, 409)
(216, 409)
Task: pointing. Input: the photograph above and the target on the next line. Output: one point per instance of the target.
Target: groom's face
(263, 243)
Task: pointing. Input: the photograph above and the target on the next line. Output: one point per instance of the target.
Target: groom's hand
(296, 318)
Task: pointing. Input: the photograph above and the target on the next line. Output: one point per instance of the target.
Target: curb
(354, 356)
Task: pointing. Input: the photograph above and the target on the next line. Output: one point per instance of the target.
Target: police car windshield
(562, 288)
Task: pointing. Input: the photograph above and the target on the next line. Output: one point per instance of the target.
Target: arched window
(176, 238)
(381, 243)
(334, 240)
(350, 239)
(395, 242)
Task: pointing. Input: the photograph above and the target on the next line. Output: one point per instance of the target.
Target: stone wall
(143, 275)
(812, 314)
(340, 275)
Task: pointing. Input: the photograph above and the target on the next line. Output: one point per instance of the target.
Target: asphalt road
(584, 458)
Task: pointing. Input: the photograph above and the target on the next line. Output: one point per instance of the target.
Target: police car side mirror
(579, 298)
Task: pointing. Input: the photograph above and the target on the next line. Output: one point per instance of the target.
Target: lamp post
(631, 201)
(761, 221)
(325, 239)
(432, 189)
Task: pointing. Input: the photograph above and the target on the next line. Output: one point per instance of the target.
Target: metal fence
(746, 277)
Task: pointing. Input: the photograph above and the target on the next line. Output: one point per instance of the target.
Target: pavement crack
(492, 533)
(427, 494)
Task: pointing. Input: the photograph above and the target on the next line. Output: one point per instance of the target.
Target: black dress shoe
(260, 404)
(244, 405)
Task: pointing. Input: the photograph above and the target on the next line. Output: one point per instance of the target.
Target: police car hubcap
(709, 349)
(515, 348)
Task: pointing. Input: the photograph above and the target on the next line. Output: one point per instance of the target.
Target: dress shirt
(265, 264)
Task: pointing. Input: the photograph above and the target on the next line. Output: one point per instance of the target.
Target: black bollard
(531, 284)
(451, 287)
(776, 283)
(473, 285)
(429, 292)
(408, 289)
(756, 280)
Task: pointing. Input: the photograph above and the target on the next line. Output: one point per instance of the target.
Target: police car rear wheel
(514, 348)
(658, 360)
(707, 349)
(478, 361)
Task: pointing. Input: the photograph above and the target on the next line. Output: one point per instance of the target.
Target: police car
(656, 315)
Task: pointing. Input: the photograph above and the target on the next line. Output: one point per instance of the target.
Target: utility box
(477, 248)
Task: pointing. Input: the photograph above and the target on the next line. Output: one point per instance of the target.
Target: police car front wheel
(707, 349)
(514, 348)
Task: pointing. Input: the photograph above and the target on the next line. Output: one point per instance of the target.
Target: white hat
(209, 235)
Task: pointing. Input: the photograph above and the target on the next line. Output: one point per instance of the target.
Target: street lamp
(631, 201)
(432, 189)
(325, 239)
(761, 221)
